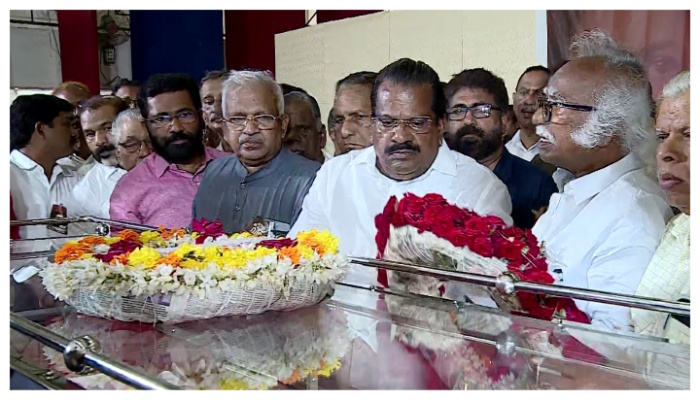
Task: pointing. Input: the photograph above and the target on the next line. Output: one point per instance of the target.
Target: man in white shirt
(601, 231)
(527, 90)
(81, 160)
(408, 156)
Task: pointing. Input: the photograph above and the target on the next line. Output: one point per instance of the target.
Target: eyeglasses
(417, 125)
(357, 119)
(479, 111)
(547, 105)
(263, 122)
(135, 146)
(166, 120)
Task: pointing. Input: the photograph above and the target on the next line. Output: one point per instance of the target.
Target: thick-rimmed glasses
(135, 146)
(546, 105)
(263, 122)
(479, 111)
(416, 125)
(166, 120)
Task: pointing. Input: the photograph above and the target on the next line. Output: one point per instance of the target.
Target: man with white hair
(130, 137)
(264, 178)
(306, 134)
(601, 230)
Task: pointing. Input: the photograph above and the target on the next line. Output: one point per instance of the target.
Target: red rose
(442, 228)
(494, 222)
(411, 209)
(538, 264)
(572, 313)
(119, 248)
(482, 247)
(539, 277)
(459, 238)
(277, 243)
(513, 250)
(434, 199)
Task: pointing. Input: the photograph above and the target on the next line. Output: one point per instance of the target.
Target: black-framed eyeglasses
(135, 146)
(418, 125)
(163, 120)
(263, 122)
(479, 111)
(546, 105)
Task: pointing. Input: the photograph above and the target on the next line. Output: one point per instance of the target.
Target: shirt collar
(590, 185)
(445, 161)
(160, 165)
(519, 142)
(679, 226)
(22, 161)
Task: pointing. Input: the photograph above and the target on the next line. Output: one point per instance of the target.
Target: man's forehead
(469, 96)
(533, 80)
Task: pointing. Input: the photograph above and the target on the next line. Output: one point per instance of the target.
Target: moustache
(545, 134)
(470, 130)
(401, 147)
(177, 136)
(528, 109)
(106, 150)
(249, 139)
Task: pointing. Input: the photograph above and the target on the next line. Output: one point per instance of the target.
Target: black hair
(533, 69)
(287, 88)
(331, 118)
(315, 109)
(95, 102)
(480, 78)
(213, 75)
(26, 111)
(168, 83)
(357, 78)
(122, 83)
(412, 73)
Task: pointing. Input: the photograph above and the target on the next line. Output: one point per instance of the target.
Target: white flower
(190, 277)
(101, 249)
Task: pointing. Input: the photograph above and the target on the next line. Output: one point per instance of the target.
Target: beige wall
(316, 57)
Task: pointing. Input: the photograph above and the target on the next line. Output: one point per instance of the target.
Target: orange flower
(129, 235)
(167, 234)
(71, 252)
(291, 253)
(122, 258)
(296, 377)
(170, 259)
(92, 241)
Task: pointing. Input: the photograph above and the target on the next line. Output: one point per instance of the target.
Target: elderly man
(476, 119)
(210, 92)
(130, 137)
(306, 134)
(96, 117)
(668, 274)
(351, 128)
(264, 179)
(601, 231)
(408, 156)
(160, 189)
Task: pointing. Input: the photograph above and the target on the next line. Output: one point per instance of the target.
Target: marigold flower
(92, 240)
(129, 235)
(71, 252)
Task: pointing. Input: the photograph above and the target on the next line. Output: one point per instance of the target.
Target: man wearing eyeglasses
(160, 189)
(130, 137)
(351, 127)
(408, 156)
(264, 178)
(601, 230)
(476, 119)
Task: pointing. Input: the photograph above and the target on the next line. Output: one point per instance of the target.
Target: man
(96, 117)
(476, 117)
(668, 274)
(594, 119)
(265, 178)
(287, 88)
(353, 112)
(527, 90)
(511, 125)
(408, 155)
(210, 92)
(160, 189)
(127, 89)
(76, 93)
(130, 137)
(306, 134)
(40, 134)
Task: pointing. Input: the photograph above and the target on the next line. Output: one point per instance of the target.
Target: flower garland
(485, 236)
(202, 262)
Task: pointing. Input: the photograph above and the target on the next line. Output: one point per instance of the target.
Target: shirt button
(238, 208)
(242, 185)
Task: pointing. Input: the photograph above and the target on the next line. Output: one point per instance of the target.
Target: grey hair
(311, 101)
(239, 79)
(624, 106)
(131, 113)
(676, 86)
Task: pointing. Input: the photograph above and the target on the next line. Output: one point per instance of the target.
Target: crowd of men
(565, 158)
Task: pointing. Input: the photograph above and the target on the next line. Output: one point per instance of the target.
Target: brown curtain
(660, 37)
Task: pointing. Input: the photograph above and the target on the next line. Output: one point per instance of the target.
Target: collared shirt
(349, 192)
(529, 186)
(234, 197)
(34, 195)
(157, 193)
(91, 196)
(601, 232)
(667, 278)
(516, 148)
(75, 163)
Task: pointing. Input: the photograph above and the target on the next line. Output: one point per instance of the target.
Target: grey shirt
(232, 196)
